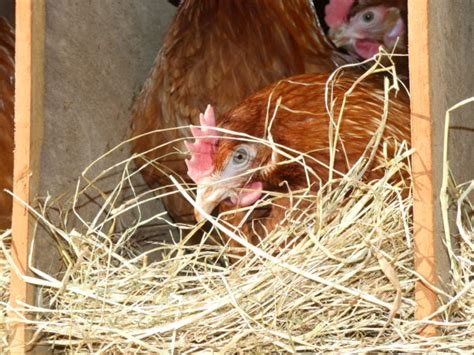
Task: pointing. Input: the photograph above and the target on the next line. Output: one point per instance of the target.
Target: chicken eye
(368, 17)
(241, 156)
(239, 160)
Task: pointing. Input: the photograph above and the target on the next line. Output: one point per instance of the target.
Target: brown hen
(234, 171)
(362, 26)
(220, 52)
(7, 95)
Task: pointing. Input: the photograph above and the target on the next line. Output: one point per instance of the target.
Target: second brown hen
(362, 26)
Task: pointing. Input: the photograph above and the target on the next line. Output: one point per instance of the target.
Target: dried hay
(347, 285)
(4, 290)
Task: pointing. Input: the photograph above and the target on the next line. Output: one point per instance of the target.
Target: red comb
(201, 164)
(337, 11)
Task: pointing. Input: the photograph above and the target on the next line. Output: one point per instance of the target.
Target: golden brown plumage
(219, 52)
(301, 124)
(7, 95)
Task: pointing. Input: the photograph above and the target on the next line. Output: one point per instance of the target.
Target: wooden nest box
(62, 101)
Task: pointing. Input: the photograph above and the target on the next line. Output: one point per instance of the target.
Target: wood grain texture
(91, 69)
(28, 136)
(422, 141)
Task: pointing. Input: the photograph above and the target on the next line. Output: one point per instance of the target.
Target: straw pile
(345, 284)
(4, 290)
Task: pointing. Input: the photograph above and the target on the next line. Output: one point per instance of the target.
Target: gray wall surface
(97, 56)
(451, 61)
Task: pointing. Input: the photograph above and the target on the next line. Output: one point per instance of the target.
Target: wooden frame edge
(29, 90)
(422, 163)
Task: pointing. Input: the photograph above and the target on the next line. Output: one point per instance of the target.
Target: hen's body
(220, 52)
(7, 94)
(301, 124)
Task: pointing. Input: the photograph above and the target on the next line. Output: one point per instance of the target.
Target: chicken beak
(208, 197)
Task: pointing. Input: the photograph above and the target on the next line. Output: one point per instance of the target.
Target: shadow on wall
(7, 10)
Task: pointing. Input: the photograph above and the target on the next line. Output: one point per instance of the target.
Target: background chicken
(220, 52)
(362, 26)
(232, 172)
(7, 95)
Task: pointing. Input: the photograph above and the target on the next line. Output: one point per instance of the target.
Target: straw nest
(345, 284)
(4, 290)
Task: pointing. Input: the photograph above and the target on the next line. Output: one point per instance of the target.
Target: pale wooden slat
(29, 68)
(422, 141)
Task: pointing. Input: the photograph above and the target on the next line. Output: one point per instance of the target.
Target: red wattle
(247, 198)
(366, 48)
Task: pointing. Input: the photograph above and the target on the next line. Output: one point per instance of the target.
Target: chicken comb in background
(219, 52)
(7, 95)
(337, 12)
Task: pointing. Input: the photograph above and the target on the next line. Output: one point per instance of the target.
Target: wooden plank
(29, 68)
(422, 141)
(440, 76)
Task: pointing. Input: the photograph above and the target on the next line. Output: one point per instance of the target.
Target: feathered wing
(7, 94)
(219, 52)
(303, 125)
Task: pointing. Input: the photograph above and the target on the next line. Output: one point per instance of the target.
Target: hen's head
(362, 26)
(225, 167)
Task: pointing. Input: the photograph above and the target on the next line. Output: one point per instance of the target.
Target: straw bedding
(4, 291)
(346, 283)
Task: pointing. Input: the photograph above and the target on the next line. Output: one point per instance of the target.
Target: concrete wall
(451, 61)
(97, 56)
(452, 57)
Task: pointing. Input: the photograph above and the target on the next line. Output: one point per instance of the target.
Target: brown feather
(219, 52)
(7, 94)
(307, 131)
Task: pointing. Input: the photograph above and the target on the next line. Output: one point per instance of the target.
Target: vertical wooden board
(28, 135)
(422, 141)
